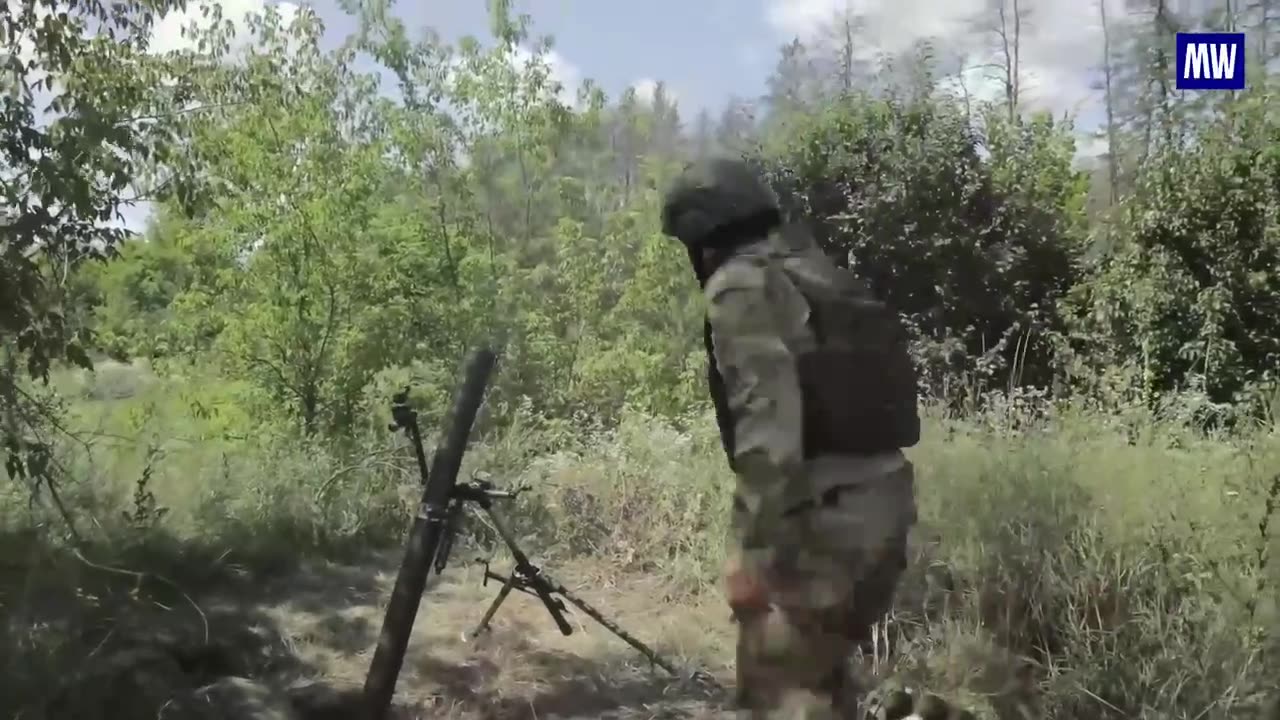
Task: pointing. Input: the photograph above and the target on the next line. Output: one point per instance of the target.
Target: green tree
(303, 207)
(975, 252)
(1188, 291)
(82, 110)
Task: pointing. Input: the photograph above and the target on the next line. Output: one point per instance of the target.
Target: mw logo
(1210, 61)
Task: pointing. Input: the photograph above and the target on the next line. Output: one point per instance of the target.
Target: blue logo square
(1210, 61)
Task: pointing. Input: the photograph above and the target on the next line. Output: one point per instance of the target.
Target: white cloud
(560, 71)
(1091, 146)
(1061, 44)
(170, 32)
(647, 88)
(974, 81)
(894, 24)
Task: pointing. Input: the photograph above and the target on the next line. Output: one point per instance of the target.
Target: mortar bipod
(530, 579)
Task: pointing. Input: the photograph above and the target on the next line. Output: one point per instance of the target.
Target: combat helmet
(718, 201)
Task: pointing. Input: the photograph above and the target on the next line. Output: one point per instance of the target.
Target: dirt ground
(296, 644)
(328, 617)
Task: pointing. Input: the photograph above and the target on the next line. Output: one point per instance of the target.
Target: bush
(1080, 564)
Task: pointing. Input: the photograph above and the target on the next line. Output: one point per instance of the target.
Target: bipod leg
(612, 627)
(529, 578)
(507, 586)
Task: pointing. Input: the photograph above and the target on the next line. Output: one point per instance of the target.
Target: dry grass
(1069, 563)
(319, 623)
(523, 667)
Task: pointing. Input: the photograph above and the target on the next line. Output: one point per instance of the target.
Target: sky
(707, 51)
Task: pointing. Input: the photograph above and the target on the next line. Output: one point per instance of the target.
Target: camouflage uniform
(817, 544)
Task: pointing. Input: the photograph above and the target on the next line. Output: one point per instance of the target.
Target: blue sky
(705, 56)
(724, 48)
(709, 50)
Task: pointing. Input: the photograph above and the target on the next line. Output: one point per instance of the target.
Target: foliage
(974, 251)
(78, 113)
(1189, 286)
(1098, 474)
(83, 117)
(343, 238)
(1062, 567)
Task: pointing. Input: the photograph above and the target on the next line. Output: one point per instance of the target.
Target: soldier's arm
(748, 321)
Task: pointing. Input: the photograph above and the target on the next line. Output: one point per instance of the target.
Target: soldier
(815, 397)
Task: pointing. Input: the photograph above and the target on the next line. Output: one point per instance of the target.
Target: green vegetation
(1100, 475)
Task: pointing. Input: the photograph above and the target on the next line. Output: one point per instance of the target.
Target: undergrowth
(1069, 563)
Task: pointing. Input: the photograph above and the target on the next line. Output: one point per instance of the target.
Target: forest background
(1098, 337)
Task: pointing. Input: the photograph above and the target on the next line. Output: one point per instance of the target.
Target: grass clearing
(1068, 564)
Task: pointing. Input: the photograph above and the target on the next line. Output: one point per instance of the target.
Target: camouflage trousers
(807, 598)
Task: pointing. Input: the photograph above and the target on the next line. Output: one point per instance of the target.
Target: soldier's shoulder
(741, 271)
(816, 271)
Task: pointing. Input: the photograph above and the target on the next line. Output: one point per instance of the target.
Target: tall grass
(1069, 563)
